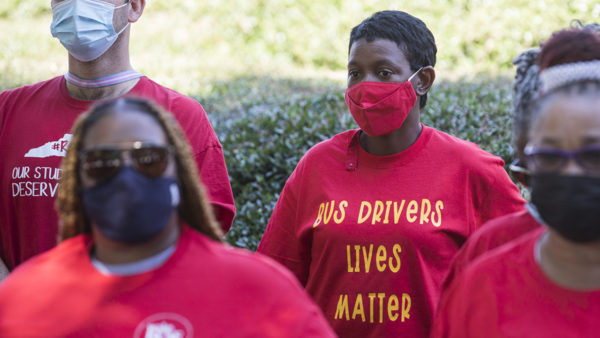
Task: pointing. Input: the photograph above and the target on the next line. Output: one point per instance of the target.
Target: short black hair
(410, 34)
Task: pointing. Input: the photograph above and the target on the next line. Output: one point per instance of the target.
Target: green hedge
(272, 123)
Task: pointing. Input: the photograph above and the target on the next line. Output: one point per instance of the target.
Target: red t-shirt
(205, 289)
(35, 126)
(371, 237)
(492, 234)
(505, 293)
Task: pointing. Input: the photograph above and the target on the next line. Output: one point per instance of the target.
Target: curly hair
(194, 208)
(527, 83)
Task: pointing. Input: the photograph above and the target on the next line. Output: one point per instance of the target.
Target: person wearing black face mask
(506, 228)
(141, 252)
(547, 283)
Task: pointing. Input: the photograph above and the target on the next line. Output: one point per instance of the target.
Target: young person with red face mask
(35, 121)
(546, 283)
(370, 219)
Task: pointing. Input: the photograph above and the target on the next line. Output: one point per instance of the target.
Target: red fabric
(505, 293)
(440, 190)
(379, 108)
(36, 120)
(492, 234)
(204, 287)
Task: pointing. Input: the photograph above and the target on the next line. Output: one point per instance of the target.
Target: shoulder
(503, 229)
(27, 91)
(33, 274)
(166, 97)
(332, 149)
(465, 151)
(499, 264)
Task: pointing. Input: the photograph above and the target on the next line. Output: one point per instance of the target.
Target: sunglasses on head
(554, 160)
(102, 163)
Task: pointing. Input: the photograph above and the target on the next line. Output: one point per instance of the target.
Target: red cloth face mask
(379, 108)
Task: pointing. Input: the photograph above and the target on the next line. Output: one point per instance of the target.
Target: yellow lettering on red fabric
(396, 250)
(425, 211)
(357, 250)
(411, 211)
(342, 212)
(328, 212)
(349, 255)
(381, 257)
(377, 212)
(398, 211)
(381, 297)
(439, 206)
(371, 299)
(367, 257)
(389, 309)
(405, 306)
(359, 308)
(319, 215)
(393, 305)
(388, 205)
(342, 308)
(361, 218)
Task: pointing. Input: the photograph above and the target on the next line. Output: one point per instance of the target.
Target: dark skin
(383, 60)
(121, 129)
(569, 122)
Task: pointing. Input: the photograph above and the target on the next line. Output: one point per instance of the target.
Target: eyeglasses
(519, 173)
(553, 160)
(104, 162)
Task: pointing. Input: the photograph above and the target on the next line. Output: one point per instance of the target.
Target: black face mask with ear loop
(568, 204)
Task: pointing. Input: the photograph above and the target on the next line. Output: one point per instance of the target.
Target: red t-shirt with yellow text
(371, 237)
(505, 293)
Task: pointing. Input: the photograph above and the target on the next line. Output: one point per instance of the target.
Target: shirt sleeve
(209, 158)
(284, 241)
(496, 195)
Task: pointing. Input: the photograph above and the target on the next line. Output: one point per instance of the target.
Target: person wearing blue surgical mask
(36, 121)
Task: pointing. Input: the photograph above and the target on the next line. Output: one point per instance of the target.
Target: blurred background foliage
(271, 73)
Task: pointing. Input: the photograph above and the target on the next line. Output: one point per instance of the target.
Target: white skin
(382, 60)
(569, 122)
(122, 128)
(114, 60)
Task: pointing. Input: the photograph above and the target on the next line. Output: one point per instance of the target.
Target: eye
(353, 74)
(384, 74)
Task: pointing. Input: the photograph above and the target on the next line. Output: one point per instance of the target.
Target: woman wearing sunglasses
(547, 283)
(141, 252)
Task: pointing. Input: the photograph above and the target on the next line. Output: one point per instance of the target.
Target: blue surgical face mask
(131, 207)
(85, 27)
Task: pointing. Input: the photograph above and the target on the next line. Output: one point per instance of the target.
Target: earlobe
(426, 77)
(136, 9)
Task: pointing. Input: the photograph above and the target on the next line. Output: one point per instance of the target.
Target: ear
(136, 9)
(424, 81)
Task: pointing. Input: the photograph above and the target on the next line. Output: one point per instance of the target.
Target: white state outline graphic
(46, 150)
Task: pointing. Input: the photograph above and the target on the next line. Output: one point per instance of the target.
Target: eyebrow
(378, 63)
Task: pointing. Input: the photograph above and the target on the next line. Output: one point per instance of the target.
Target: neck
(112, 252)
(572, 265)
(395, 142)
(114, 60)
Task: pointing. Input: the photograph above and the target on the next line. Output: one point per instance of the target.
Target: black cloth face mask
(568, 204)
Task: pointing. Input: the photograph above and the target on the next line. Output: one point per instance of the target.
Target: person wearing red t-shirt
(141, 254)
(507, 228)
(370, 219)
(546, 284)
(35, 121)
